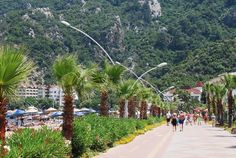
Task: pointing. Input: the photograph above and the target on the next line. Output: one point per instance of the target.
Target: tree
(207, 89)
(156, 103)
(105, 80)
(65, 70)
(220, 92)
(213, 99)
(230, 84)
(144, 94)
(126, 89)
(14, 68)
(84, 86)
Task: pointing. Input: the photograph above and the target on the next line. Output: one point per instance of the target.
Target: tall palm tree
(84, 86)
(207, 89)
(230, 84)
(14, 68)
(220, 92)
(66, 72)
(144, 94)
(156, 103)
(127, 92)
(106, 80)
(213, 99)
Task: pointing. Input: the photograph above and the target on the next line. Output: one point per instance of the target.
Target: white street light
(143, 80)
(158, 66)
(85, 34)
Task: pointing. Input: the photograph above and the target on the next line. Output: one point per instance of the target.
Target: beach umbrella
(18, 112)
(51, 110)
(56, 114)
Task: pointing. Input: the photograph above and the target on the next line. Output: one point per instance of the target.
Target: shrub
(41, 143)
(81, 138)
(98, 133)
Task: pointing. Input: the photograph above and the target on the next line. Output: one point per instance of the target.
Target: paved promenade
(194, 142)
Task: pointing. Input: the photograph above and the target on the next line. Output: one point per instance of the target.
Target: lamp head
(118, 63)
(65, 23)
(162, 64)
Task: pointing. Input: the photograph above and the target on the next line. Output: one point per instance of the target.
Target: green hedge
(98, 133)
(41, 143)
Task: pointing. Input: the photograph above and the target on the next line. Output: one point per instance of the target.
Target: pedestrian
(213, 118)
(22, 121)
(199, 119)
(168, 116)
(174, 121)
(181, 121)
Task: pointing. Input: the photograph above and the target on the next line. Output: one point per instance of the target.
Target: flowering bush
(98, 133)
(41, 143)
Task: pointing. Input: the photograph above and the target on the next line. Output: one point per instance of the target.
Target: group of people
(185, 118)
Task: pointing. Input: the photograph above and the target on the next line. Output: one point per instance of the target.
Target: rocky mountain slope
(196, 38)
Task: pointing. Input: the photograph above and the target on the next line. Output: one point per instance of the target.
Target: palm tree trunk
(209, 105)
(152, 110)
(213, 106)
(3, 111)
(143, 110)
(67, 127)
(159, 111)
(218, 116)
(122, 108)
(132, 107)
(230, 107)
(126, 114)
(103, 105)
(221, 114)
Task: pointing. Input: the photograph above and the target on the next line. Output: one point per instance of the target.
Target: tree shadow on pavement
(232, 147)
(223, 136)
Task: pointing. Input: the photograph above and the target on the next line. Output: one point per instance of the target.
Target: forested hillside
(196, 38)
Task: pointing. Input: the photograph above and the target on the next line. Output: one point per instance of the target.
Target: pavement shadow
(212, 129)
(232, 147)
(223, 136)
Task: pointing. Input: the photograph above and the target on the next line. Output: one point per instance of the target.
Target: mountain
(196, 38)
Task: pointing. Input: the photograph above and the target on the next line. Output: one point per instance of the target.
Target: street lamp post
(85, 34)
(143, 80)
(158, 66)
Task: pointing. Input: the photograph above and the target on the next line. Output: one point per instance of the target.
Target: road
(194, 142)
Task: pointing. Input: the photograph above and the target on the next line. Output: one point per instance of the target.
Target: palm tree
(207, 89)
(230, 84)
(220, 92)
(213, 100)
(66, 72)
(106, 80)
(14, 68)
(126, 92)
(84, 86)
(144, 94)
(156, 103)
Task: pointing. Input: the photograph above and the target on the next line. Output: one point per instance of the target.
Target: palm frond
(15, 67)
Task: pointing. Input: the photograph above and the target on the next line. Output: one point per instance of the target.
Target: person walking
(174, 121)
(168, 117)
(213, 118)
(181, 120)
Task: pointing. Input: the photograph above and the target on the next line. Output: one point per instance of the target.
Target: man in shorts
(174, 121)
(181, 120)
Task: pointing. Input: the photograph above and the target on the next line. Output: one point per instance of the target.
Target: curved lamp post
(85, 34)
(143, 80)
(158, 66)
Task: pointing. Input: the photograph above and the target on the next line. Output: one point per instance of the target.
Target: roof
(199, 84)
(194, 91)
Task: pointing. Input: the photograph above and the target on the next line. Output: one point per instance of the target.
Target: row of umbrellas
(54, 112)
